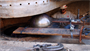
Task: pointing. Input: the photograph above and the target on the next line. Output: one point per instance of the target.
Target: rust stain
(0, 5)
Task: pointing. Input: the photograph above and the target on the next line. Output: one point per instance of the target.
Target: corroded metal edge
(16, 9)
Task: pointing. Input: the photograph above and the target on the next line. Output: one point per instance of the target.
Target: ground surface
(27, 46)
(24, 43)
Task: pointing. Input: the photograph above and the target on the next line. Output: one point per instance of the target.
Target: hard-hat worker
(64, 14)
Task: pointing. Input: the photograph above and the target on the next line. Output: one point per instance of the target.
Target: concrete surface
(26, 43)
(27, 46)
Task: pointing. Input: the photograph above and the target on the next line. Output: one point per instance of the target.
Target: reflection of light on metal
(47, 47)
(41, 21)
